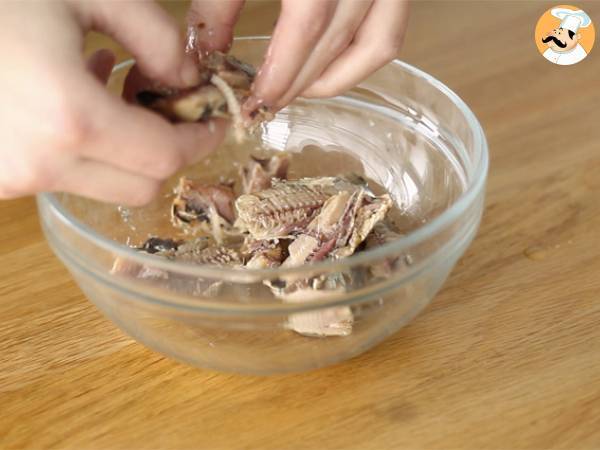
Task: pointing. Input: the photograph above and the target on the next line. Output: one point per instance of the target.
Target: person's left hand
(319, 48)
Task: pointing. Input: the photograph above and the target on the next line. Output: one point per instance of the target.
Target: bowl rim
(414, 237)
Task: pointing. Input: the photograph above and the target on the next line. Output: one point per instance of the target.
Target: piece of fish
(330, 228)
(225, 83)
(159, 245)
(324, 231)
(263, 254)
(201, 250)
(343, 223)
(287, 207)
(266, 259)
(187, 105)
(214, 255)
(197, 251)
(206, 100)
(203, 207)
(326, 322)
(236, 73)
(284, 224)
(153, 245)
(216, 61)
(383, 234)
(258, 173)
(369, 214)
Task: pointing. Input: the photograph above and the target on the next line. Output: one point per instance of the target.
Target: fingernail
(205, 38)
(190, 75)
(252, 104)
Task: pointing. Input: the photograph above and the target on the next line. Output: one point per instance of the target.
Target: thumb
(214, 21)
(150, 34)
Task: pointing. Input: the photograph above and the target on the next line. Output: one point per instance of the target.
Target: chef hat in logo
(571, 20)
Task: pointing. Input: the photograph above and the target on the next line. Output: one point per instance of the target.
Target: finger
(136, 82)
(198, 140)
(137, 140)
(106, 183)
(149, 33)
(101, 64)
(338, 36)
(298, 29)
(213, 21)
(377, 42)
(193, 134)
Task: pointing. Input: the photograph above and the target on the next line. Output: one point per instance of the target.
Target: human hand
(61, 130)
(319, 48)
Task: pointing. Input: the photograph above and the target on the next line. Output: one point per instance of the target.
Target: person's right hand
(61, 130)
(319, 48)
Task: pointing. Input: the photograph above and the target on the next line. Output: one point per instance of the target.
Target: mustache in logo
(556, 41)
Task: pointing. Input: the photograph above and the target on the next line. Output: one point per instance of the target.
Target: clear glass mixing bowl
(401, 128)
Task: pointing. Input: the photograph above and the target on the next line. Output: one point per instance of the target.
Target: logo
(564, 35)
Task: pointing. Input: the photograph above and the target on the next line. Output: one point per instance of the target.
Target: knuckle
(169, 163)
(145, 195)
(30, 178)
(69, 129)
(7, 189)
(30, 173)
(389, 51)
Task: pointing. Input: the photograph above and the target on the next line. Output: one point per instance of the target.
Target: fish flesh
(277, 223)
(204, 100)
(287, 207)
(161, 246)
(343, 223)
(200, 250)
(217, 255)
(383, 234)
(225, 83)
(203, 207)
(258, 174)
(325, 322)
(264, 254)
(372, 211)
(197, 251)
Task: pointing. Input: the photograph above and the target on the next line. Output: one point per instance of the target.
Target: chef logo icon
(564, 35)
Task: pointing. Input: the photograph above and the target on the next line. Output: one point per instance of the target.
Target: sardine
(371, 212)
(208, 208)
(334, 321)
(258, 174)
(197, 251)
(206, 100)
(383, 234)
(343, 223)
(263, 254)
(287, 207)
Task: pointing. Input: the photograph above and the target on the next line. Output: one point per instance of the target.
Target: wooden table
(507, 356)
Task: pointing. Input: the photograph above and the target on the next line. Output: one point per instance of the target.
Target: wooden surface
(507, 356)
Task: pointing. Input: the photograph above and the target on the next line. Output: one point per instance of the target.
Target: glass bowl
(401, 128)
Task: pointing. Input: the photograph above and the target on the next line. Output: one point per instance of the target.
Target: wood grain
(505, 357)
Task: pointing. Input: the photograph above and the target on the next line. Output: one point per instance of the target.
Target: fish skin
(287, 207)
